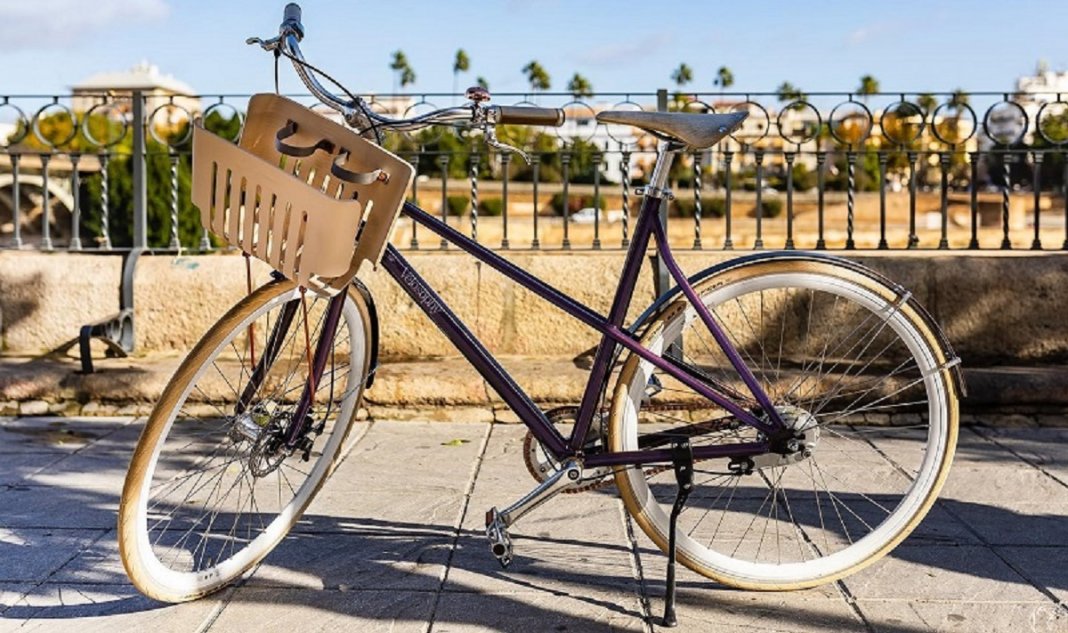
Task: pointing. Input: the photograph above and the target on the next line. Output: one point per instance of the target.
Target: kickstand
(682, 459)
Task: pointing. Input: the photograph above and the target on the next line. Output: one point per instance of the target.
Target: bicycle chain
(560, 414)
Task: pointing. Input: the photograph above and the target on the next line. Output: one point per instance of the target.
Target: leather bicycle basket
(306, 195)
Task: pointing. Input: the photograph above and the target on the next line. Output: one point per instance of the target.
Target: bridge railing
(834, 171)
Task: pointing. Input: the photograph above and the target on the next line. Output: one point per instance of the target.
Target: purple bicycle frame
(613, 334)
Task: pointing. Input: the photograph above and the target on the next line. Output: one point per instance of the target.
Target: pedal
(497, 533)
(682, 460)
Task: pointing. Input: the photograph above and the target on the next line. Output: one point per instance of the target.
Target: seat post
(666, 152)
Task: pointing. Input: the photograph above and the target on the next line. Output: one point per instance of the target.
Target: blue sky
(620, 46)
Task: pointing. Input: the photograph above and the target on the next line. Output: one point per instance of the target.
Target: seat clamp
(654, 192)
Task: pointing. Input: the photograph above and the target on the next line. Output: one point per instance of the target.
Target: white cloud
(625, 52)
(881, 30)
(52, 24)
(858, 36)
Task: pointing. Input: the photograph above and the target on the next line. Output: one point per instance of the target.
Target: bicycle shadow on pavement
(348, 563)
(57, 544)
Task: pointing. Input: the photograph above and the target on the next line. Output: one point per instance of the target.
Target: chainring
(541, 464)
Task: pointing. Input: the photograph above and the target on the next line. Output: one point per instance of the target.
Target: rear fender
(643, 320)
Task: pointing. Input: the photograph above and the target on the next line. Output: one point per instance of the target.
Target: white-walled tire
(877, 401)
(190, 520)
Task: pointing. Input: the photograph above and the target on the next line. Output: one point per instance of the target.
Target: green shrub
(717, 207)
(458, 205)
(574, 202)
(710, 207)
(492, 207)
(771, 208)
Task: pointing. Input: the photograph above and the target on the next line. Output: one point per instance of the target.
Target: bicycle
(748, 391)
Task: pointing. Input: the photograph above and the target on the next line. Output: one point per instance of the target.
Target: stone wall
(997, 308)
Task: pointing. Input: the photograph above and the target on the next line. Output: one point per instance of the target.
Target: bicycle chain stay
(599, 480)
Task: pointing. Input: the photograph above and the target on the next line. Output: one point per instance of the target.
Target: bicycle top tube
(356, 113)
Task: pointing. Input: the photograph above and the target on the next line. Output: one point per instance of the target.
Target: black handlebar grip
(291, 19)
(521, 115)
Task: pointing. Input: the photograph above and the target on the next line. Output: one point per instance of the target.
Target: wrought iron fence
(822, 171)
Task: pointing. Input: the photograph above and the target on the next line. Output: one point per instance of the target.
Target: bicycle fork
(298, 421)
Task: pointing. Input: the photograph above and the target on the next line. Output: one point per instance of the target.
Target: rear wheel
(211, 488)
(847, 363)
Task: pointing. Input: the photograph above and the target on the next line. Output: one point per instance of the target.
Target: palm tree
(481, 82)
(461, 64)
(927, 102)
(788, 92)
(681, 76)
(724, 78)
(537, 76)
(407, 77)
(869, 85)
(398, 66)
(579, 86)
(959, 98)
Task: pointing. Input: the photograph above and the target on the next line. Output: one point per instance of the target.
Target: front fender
(369, 300)
(645, 317)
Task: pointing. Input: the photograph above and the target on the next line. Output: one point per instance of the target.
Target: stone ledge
(997, 307)
(449, 389)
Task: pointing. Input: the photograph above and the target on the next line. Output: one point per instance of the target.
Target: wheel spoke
(213, 469)
(831, 349)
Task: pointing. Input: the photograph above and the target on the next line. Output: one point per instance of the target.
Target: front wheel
(211, 487)
(850, 366)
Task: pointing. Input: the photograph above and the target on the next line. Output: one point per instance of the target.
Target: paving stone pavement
(394, 542)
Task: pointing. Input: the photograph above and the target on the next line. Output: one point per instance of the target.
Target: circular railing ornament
(850, 123)
(1052, 122)
(51, 110)
(424, 135)
(636, 137)
(755, 127)
(902, 122)
(219, 108)
(112, 117)
(579, 116)
(796, 128)
(22, 124)
(174, 116)
(948, 129)
(1005, 123)
(698, 106)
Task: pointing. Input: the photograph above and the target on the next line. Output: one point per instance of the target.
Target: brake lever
(273, 44)
(491, 139)
(479, 95)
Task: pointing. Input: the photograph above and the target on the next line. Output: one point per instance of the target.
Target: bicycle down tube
(612, 334)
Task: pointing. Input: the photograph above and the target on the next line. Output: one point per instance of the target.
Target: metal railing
(834, 171)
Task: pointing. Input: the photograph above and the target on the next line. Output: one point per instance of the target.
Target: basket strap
(289, 129)
(355, 177)
(337, 169)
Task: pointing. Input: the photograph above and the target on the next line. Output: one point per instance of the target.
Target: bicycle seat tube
(657, 189)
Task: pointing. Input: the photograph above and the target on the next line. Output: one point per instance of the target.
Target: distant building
(1045, 86)
(159, 90)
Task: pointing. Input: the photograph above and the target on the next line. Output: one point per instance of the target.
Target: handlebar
(523, 115)
(357, 114)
